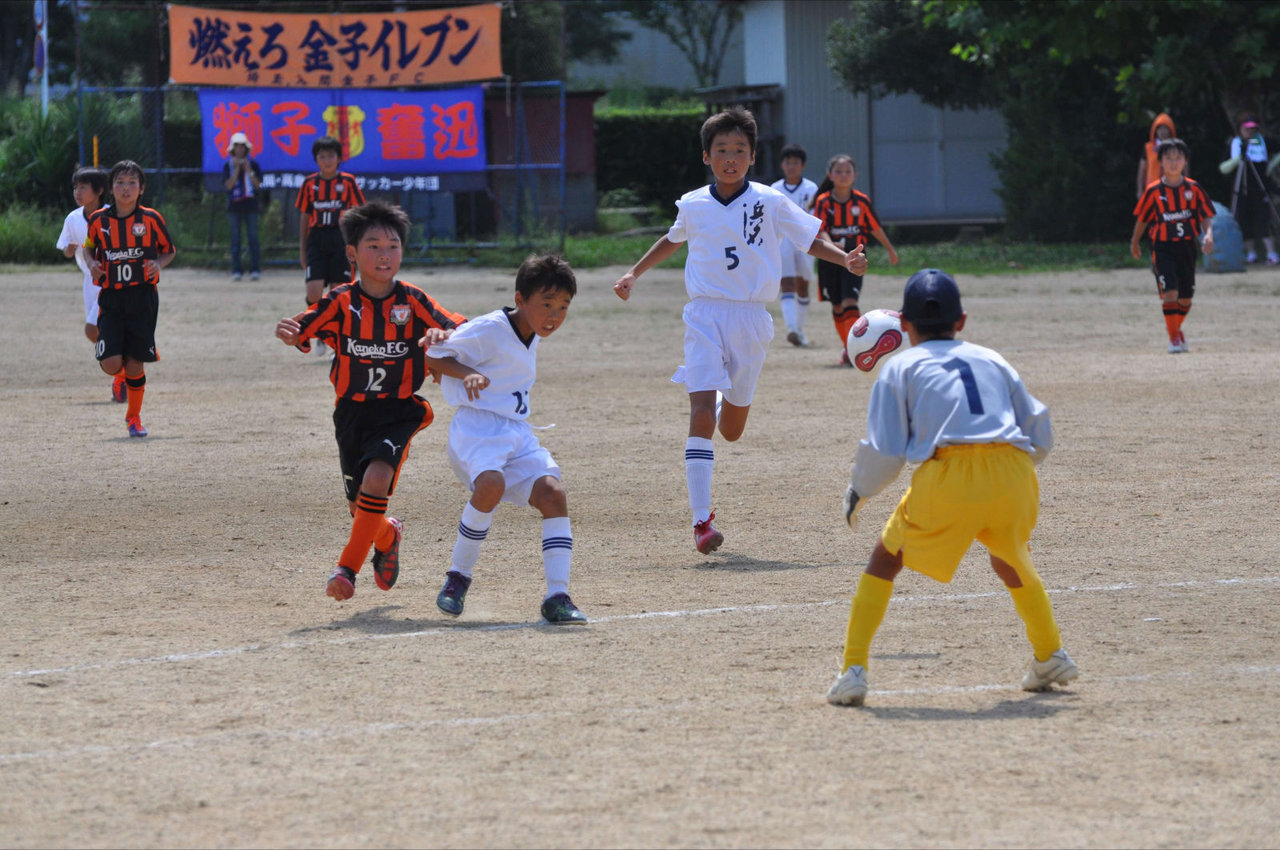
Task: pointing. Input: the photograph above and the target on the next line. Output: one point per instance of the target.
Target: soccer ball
(876, 335)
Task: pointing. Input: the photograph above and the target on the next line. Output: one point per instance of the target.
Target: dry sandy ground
(174, 676)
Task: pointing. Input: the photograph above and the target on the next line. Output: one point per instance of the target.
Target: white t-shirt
(735, 244)
(945, 392)
(490, 345)
(75, 229)
(801, 194)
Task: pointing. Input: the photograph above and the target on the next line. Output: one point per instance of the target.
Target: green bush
(654, 153)
(38, 155)
(28, 234)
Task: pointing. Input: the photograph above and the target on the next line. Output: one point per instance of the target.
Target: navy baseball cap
(931, 298)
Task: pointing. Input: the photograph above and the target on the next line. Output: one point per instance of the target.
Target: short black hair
(797, 151)
(127, 166)
(1173, 145)
(358, 221)
(734, 118)
(545, 271)
(326, 143)
(94, 178)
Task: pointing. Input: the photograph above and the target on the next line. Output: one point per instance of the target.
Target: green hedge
(654, 153)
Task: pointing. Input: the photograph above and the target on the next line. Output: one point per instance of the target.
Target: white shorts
(725, 343)
(480, 441)
(796, 262)
(91, 291)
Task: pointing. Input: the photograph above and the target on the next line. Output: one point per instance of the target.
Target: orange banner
(229, 47)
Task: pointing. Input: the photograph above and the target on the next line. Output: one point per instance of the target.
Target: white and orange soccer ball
(876, 335)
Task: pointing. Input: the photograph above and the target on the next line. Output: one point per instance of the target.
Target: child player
(847, 218)
(377, 370)
(795, 261)
(321, 200)
(1175, 210)
(736, 230)
(126, 247)
(488, 367)
(88, 187)
(961, 412)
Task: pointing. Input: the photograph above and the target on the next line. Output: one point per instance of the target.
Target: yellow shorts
(986, 492)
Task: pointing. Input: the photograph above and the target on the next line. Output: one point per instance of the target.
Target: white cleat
(1059, 669)
(850, 687)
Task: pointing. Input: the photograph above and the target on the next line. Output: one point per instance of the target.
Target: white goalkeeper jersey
(801, 194)
(735, 243)
(491, 345)
(945, 392)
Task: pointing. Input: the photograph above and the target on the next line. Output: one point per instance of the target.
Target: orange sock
(369, 522)
(844, 321)
(135, 387)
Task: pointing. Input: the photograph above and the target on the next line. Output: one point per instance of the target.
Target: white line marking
(620, 618)
(367, 729)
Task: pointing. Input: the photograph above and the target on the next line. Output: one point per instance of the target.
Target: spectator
(1149, 165)
(242, 177)
(1250, 202)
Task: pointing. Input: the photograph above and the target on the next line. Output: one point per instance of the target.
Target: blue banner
(382, 132)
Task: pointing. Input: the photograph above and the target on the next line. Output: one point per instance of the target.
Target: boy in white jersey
(795, 260)
(736, 230)
(89, 188)
(962, 413)
(488, 367)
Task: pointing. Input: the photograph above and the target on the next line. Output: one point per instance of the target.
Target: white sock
(788, 305)
(699, 462)
(802, 312)
(557, 553)
(472, 531)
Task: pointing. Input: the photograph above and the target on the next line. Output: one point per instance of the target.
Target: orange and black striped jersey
(122, 245)
(376, 339)
(848, 223)
(323, 201)
(1175, 213)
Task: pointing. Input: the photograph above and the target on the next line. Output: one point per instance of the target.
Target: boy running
(795, 261)
(89, 188)
(324, 195)
(1175, 210)
(377, 370)
(961, 412)
(126, 247)
(736, 230)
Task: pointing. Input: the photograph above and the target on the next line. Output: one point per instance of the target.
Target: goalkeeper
(962, 413)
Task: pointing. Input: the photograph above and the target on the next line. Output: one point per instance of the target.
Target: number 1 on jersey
(955, 364)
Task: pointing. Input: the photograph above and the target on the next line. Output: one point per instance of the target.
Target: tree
(1077, 82)
(700, 29)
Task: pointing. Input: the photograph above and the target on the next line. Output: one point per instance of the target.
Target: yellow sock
(865, 615)
(1036, 612)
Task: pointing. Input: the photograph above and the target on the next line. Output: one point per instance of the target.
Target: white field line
(348, 730)
(454, 631)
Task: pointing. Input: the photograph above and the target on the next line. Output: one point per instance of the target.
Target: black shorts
(376, 430)
(837, 284)
(327, 256)
(127, 323)
(1174, 265)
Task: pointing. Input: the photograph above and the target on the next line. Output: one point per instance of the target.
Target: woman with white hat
(241, 175)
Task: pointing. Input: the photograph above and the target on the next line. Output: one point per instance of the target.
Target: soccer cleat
(559, 609)
(235, 278)
(1058, 670)
(253, 275)
(135, 427)
(1251, 258)
(850, 687)
(451, 597)
(119, 391)
(844, 358)
(342, 584)
(386, 565)
(793, 337)
(1273, 259)
(804, 340)
(705, 536)
(1174, 348)
(1182, 342)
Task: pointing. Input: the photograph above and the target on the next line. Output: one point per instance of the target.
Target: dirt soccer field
(174, 676)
